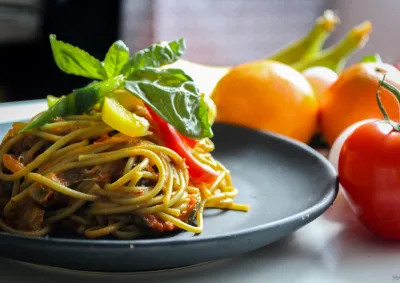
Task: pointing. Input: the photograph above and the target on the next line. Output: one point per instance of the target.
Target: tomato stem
(396, 93)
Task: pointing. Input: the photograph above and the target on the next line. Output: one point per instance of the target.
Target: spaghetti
(80, 174)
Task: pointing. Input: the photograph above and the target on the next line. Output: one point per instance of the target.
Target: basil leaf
(83, 99)
(116, 57)
(51, 100)
(78, 102)
(173, 95)
(75, 61)
(156, 55)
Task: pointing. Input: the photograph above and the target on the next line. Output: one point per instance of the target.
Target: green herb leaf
(204, 118)
(79, 101)
(116, 57)
(75, 61)
(173, 95)
(85, 98)
(372, 58)
(57, 110)
(157, 55)
(51, 100)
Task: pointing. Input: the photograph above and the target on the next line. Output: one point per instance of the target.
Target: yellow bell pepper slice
(120, 119)
(126, 99)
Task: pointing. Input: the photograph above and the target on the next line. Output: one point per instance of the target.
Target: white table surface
(334, 248)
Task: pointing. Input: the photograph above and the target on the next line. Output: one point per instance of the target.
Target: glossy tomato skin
(369, 171)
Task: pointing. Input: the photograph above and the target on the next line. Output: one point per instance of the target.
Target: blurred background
(223, 32)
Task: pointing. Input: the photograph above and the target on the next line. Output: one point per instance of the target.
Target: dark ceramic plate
(287, 185)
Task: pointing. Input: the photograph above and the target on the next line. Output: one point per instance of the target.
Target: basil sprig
(156, 55)
(75, 61)
(169, 92)
(116, 58)
(174, 96)
(79, 101)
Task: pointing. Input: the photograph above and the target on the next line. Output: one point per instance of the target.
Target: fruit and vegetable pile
(306, 92)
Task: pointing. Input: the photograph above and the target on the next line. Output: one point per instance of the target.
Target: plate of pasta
(130, 173)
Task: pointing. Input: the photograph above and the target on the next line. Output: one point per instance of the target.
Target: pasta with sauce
(116, 169)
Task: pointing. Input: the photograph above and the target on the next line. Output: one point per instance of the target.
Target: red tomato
(369, 171)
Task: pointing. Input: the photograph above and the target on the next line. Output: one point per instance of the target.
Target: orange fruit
(267, 95)
(352, 98)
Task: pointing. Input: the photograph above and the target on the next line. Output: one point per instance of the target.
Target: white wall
(234, 31)
(384, 15)
(227, 32)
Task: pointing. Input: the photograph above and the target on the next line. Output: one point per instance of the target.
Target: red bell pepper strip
(189, 141)
(172, 139)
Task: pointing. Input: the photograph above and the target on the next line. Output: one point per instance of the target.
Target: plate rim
(316, 209)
